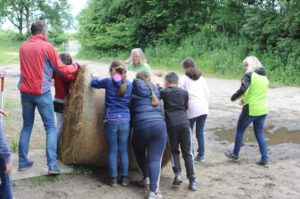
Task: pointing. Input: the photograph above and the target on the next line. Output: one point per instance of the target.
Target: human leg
(155, 149)
(28, 108)
(111, 135)
(173, 135)
(186, 149)
(123, 139)
(243, 122)
(139, 143)
(59, 126)
(258, 125)
(200, 122)
(45, 107)
(5, 186)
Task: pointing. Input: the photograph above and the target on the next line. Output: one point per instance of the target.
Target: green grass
(9, 52)
(44, 179)
(81, 170)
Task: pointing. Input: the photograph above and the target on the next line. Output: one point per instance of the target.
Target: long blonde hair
(145, 76)
(138, 51)
(253, 64)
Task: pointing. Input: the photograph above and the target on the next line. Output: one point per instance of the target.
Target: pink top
(199, 96)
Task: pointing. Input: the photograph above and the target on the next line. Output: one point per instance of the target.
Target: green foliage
(21, 13)
(9, 47)
(8, 35)
(217, 34)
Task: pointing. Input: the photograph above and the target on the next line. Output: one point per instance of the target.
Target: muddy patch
(279, 136)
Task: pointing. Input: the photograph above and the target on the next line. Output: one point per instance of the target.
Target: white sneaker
(154, 195)
(144, 181)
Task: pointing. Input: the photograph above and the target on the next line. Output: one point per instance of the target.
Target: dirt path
(218, 178)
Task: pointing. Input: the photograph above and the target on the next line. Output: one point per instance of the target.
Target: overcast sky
(77, 6)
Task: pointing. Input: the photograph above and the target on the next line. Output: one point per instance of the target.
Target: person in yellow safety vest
(253, 94)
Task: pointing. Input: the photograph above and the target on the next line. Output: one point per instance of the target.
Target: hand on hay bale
(82, 66)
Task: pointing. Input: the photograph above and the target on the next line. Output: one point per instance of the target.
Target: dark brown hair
(193, 73)
(171, 78)
(119, 67)
(38, 27)
(66, 58)
(188, 63)
(146, 77)
(191, 69)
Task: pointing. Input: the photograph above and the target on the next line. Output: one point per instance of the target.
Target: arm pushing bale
(83, 141)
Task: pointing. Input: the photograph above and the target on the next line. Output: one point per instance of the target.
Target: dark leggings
(148, 143)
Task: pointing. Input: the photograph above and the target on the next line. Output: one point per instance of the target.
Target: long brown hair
(146, 77)
(191, 69)
(119, 67)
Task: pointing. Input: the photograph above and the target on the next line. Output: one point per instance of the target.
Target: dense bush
(218, 34)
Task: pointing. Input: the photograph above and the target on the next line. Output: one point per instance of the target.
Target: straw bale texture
(83, 141)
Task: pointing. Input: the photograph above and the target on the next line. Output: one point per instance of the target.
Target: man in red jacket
(38, 60)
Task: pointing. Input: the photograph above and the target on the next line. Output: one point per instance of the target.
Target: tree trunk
(27, 13)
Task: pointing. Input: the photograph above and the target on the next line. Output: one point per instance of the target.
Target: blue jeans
(200, 122)
(117, 137)
(258, 126)
(44, 104)
(5, 187)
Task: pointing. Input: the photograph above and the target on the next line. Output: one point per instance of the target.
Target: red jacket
(38, 60)
(62, 85)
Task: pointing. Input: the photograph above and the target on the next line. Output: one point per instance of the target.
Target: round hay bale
(83, 140)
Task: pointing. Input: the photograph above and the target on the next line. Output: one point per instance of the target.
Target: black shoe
(178, 179)
(263, 163)
(231, 156)
(113, 181)
(124, 181)
(193, 185)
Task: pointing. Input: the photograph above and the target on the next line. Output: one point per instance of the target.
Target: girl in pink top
(198, 104)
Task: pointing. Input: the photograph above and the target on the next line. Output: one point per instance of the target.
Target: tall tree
(21, 12)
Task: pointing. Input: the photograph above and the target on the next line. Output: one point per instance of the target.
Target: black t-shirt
(175, 105)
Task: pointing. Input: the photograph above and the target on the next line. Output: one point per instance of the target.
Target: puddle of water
(279, 136)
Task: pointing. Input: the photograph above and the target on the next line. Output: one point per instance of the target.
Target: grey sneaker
(177, 179)
(153, 195)
(124, 181)
(193, 185)
(113, 181)
(144, 181)
(263, 163)
(199, 158)
(231, 156)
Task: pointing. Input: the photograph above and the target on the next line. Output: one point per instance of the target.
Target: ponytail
(154, 99)
(119, 67)
(146, 77)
